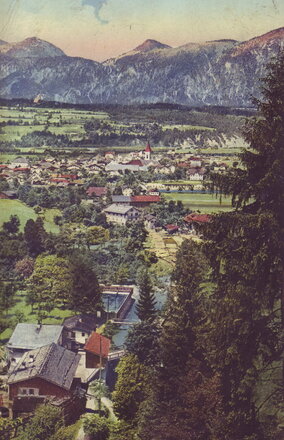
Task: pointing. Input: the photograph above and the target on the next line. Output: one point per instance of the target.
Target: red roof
(199, 218)
(21, 169)
(3, 166)
(97, 190)
(68, 176)
(171, 227)
(183, 165)
(145, 199)
(58, 180)
(135, 162)
(98, 344)
(148, 149)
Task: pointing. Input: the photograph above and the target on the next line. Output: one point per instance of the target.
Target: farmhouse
(113, 166)
(78, 329)
(43, 374)
(8, 195)
(142, 201)
(120, 214)
(150, 221)
(121, 199)
(97, 191)
(194, 220)
(195, 174)
(28, 337)
(20, 162)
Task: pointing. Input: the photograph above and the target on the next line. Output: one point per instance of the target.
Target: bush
(98, 428)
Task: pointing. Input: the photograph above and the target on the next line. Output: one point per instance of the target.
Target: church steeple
(147, 152)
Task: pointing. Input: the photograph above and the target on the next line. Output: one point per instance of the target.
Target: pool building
(117, 301)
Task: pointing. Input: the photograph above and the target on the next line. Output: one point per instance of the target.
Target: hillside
(221, 72)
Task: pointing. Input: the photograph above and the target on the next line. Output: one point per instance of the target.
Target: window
(28, 392)
(23, 391)
(73, 334)
(83, 334)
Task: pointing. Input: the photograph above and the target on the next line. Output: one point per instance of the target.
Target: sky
(101, 29)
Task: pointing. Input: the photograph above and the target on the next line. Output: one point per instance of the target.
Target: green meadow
(24, 212)
(205, 203)
(24, 313)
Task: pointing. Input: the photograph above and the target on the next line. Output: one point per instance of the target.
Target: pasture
(24, 212)
(205, 203)
(21, 312)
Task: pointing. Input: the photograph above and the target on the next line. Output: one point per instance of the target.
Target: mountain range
(221, 72)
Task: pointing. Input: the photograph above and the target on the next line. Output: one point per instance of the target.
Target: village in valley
(103, 202)
(101, 217)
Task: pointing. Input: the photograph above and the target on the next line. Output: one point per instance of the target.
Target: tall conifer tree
(146, 303)
(246, 252)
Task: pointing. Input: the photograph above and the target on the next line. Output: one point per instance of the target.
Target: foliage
(66, 433)
(25, 267)
(143, 341)
(97, 235)
(137, 235)
(96, 427)
(98, 389)
(145, 307)
(110, 330)
(7, 294)
(131, 388)
(85, 293)
(50, 283)
(245, 249)
(12, 248)
(46, 422)
(122, 430)
(34, 235)
(8, 427)
(185, 395)
(12, 226)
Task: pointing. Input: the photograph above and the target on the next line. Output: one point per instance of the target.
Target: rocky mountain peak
(151, 45)
(32, 47)
(277, 36)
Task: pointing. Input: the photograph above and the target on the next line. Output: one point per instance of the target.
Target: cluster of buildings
(56, 363)
(77, 171)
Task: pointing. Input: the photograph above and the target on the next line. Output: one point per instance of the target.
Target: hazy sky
(100, 29)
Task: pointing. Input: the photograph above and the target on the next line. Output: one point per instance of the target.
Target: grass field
(6, 157)
(178, 182)
(24, 311)
(67, 122)
(205, 203)
(24, 212)
(185, 127)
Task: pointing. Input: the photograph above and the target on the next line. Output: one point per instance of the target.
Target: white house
(120, 214)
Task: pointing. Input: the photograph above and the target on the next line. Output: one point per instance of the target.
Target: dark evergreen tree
(145, 307)
(12, 226)
(85, 294)
(185, 401)
(34, 236)
(246, 252)
(143, 341)
(7, 296)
